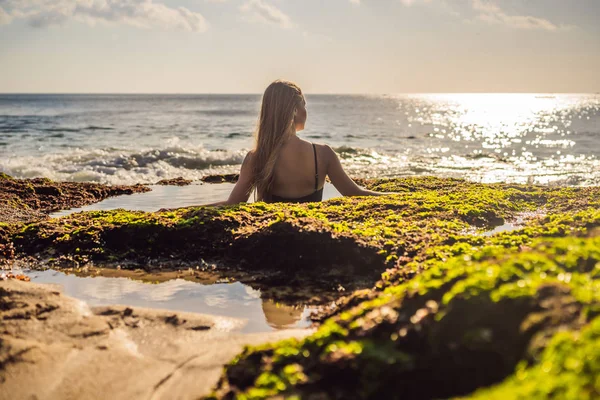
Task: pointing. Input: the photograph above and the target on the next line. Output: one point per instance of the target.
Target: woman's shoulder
(324, 149)
(321, 146)
(326, 154)
(249, 159)
(251, 154)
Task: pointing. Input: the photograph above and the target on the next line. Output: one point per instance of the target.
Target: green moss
(427, 336)
(5, 177)
(426, 214)
(568, 369)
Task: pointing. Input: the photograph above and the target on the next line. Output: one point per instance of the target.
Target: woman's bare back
(294, 173)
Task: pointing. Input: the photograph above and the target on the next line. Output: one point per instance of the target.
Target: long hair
(275, 126)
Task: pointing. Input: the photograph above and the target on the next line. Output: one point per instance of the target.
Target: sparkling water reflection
(511, 137)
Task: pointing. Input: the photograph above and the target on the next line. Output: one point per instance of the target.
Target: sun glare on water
(507, 137)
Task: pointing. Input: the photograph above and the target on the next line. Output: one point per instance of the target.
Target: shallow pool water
(518, 222)
(172, 197)
(225, 299)
(506, 227)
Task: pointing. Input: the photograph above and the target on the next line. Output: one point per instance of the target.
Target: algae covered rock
(27, 200)
(461, 324)
(567, 369)
(362, 235)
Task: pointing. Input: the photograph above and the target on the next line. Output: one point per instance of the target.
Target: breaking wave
(116, 166)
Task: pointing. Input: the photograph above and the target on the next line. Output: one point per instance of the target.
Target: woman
(282, 167)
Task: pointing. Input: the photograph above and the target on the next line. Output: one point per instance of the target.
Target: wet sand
(57, 347)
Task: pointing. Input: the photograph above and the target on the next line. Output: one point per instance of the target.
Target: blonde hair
(275, 126)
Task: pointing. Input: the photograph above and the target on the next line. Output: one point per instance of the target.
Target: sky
(326, 46)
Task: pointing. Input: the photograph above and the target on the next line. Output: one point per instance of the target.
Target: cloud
(137, 13)
(5, 18)
(489, 12)
(261, 11)
(408, 3)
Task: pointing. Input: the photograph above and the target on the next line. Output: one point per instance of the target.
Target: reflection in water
(232, 300)
(280, 316)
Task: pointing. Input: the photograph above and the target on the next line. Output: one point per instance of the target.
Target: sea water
(124, 139)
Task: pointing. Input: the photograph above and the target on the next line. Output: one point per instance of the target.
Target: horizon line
(307, 93)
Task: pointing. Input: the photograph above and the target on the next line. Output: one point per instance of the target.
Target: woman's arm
(242, 188)
(342, 182)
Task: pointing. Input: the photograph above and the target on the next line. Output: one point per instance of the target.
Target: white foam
(114, 166)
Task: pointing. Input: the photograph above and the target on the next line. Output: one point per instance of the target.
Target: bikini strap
(316, 168)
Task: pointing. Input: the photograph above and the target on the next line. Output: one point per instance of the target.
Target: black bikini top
(317, 195)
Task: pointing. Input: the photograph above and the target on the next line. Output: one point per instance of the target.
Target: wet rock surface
(180, 181)
(426, 305)
(225, 178)
(27, 200)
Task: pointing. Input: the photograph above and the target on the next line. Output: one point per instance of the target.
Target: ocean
(125, 139)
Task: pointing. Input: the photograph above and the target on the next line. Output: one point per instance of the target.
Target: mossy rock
(27, 200)
(568, 369)
(5, 177)
(461, 324)
(362, 235)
